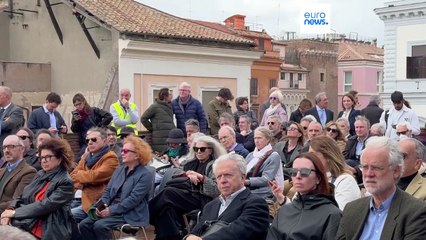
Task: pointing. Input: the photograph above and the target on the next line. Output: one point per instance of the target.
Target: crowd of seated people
(300, 179)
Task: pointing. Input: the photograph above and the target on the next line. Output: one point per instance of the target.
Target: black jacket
(296, 116)
(307, 217)
(96, 118)
(352, 115)
(372, 112)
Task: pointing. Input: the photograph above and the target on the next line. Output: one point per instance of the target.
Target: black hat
(176, 136)
(126, 131)
(397, 97)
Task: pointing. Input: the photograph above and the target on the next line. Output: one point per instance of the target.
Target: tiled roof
(131, 17)
(352, 51)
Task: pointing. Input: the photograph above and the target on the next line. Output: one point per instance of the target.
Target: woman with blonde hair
(333, 131)
(345, 186)
(275, 99)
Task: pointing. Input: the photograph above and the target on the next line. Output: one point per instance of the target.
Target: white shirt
(395, 117)
(226, 201)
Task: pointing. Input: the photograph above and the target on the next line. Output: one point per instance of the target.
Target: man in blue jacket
(186, 107)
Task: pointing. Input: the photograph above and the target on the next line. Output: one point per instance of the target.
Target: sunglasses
(24, 137)
(91, 139)
(403, 133)
(273, 98)
(333, 130)
(304, 172)
(126, 151)
(271, 123)
(201, 149)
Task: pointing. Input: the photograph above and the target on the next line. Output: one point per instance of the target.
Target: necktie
(323, 117)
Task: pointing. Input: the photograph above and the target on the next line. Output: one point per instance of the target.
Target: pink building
(360, 68)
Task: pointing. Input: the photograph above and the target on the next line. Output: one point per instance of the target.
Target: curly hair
(61, 149)
(141, 148)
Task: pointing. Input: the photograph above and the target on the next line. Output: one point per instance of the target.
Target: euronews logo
(315, 19)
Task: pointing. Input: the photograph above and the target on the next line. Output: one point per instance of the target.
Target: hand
(77, 117)
(5, 221)
(277, 191)
(104, 213)
(8, 213)
(175, 162)
(125, 102)
(193, 237)
(63, 129)
(194, 177)
(53, 130)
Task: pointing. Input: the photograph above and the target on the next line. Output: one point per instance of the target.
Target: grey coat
(287, 163)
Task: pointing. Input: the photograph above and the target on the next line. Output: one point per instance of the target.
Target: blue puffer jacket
(193, 110)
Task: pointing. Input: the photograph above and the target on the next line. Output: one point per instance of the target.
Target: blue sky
(354, 17)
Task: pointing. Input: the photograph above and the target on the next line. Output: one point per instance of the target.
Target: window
(293, 82)
(272, 83)
(416, 64)
(322, 76)
(282, 77)
(299, 77)
(253, 86)
(379, 80)
(347, 83)
(261, 44)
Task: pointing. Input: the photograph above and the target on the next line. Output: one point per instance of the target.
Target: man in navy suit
(245, 213)
(320, 111)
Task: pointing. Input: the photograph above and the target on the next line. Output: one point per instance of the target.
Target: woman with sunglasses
(333, 131)
(263, 164)
(43, 209)
(313, 213)
(85, 117)
(125, 199)
(275, 108)
(168, 206)
(291, 147)
(345, 186)
(349, 112)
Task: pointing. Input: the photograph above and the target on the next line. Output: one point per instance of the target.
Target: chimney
(236, 22)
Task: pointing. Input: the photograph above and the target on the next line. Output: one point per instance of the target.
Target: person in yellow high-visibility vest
(124, 112)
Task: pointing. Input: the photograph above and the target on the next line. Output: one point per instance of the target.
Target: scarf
(92, 159)
(271, 109)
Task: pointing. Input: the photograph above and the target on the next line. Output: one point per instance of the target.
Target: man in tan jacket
(93, 171)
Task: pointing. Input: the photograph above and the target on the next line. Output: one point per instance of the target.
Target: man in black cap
(399, 113)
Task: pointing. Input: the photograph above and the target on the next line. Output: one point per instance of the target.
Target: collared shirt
(373, 227)
(51, 118)
(233, 147)
(322, 115)
(11, 167)
(359, 147)
(226, 201)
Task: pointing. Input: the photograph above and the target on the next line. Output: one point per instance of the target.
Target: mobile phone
(100, 205)
(75, 113)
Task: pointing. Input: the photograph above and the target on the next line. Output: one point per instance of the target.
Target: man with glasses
(46, 117)
(320, 111)
(16, 174)
(414, 153)
(11, 116)
(93, 171)
(186, 107)
(124, 113)
(403, 130)
(227, 138)
(217, 106)
(389, 213)
(276, 128)
(30, 153)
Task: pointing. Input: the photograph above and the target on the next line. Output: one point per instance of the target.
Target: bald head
(125, 94)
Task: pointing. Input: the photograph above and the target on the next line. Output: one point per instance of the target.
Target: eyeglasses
(403, 133)
(24, 137)
(91, 139)
(123, 136)
(47, 158)
(273, 98)
(111, 134)
(404, 155)
(271, 123)
(292, 129)
(373, 168)
(126, 151)
(333, 130)
(10, 147)
(201, 149)
(304, 172)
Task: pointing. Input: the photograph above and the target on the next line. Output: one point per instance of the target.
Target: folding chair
(129, 230)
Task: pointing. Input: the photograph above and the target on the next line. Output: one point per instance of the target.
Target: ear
(397, 172)
(418, 164)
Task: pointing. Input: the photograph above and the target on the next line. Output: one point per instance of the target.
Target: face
(293, 131)
(4, 100)
(41, 138)
(323, 103)
(226, 138)
(260, 140)
(199, 154)
(170, 97)
(273, 100)
(226, 122)
(374, 131)
(244, 106)
(229, 178)
(379, 179)
(184, 91)
(361, 128)
(12, 151)
(304, 184)
(305, 125)
(402, 130)
(243, 125)
(332, 131)
(274, 125)
(79, 105)
(111, 137)
(347, 102)
(343, 128)
(48, 160)
(129, 154)
(314, 129)
(96, 143)
(25, 138)
(190, 129)
(411, 162)
(320, 156)
(398, 105)
(51, 106)
(125, 94)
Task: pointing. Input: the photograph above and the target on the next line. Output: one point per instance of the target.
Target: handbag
(213, 226)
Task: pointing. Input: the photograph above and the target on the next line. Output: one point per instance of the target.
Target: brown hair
(339, 133)
(305, 104)
(301, 139)
(323, 185)
(61, 149)
(141, 148)
(352, 99)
